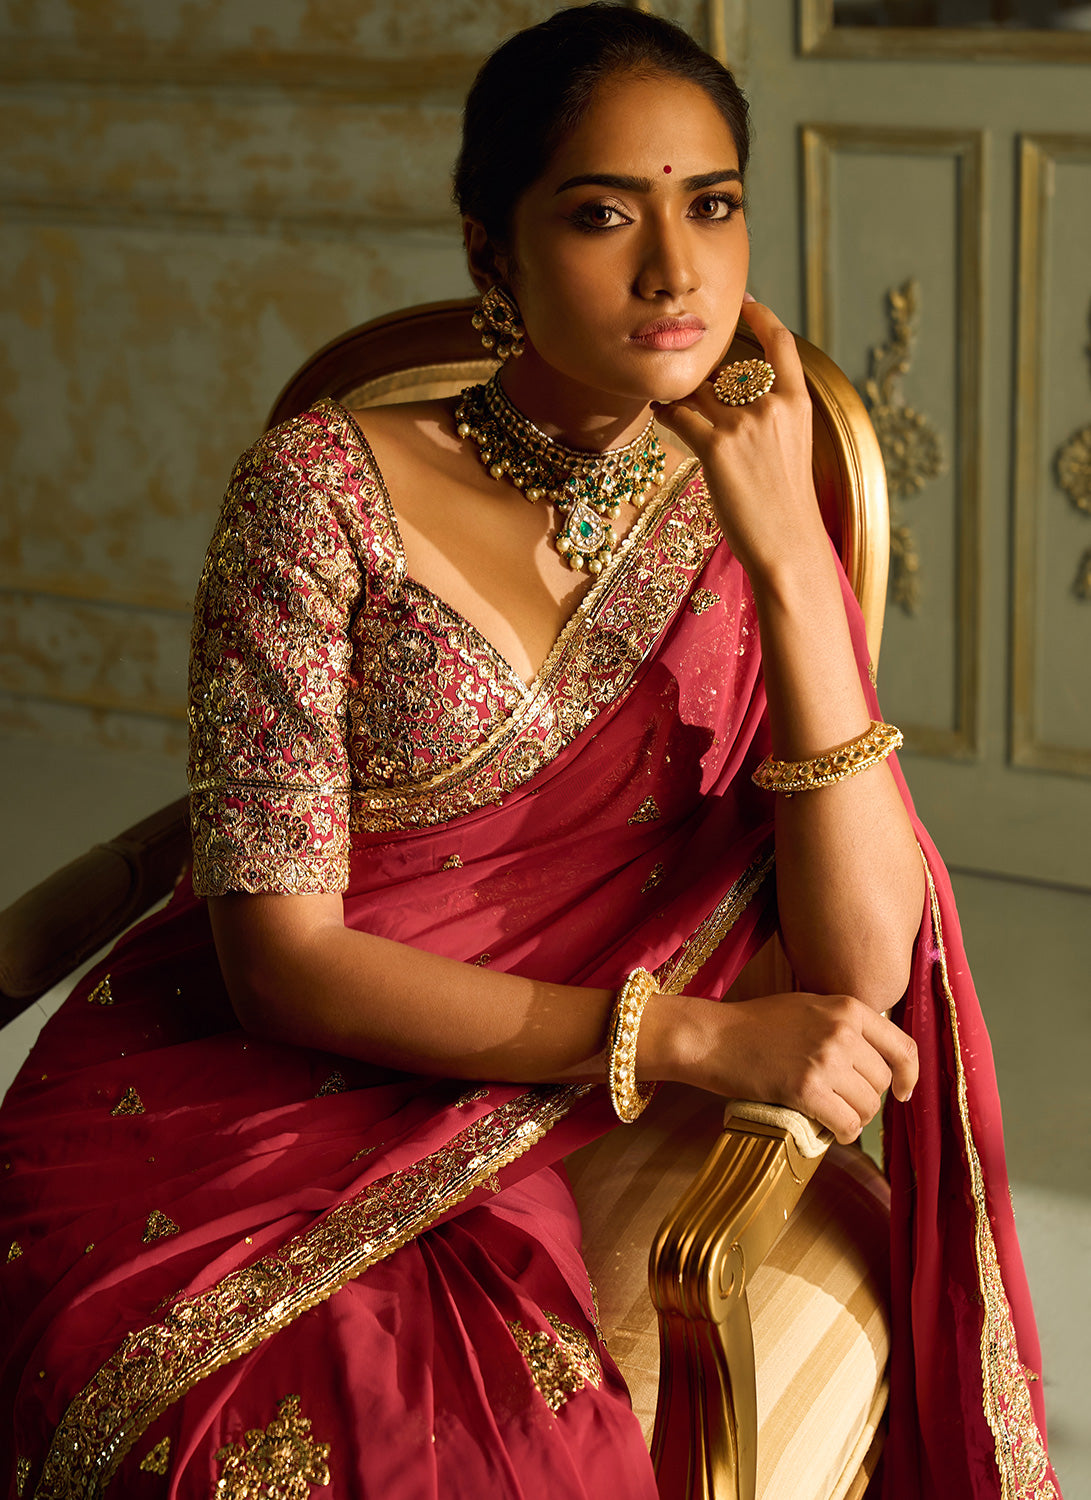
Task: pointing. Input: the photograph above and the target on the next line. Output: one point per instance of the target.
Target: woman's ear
(487, 266)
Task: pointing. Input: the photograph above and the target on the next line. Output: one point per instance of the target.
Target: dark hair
(537, 86)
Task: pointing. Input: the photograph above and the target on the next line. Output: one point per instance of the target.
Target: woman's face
(630, 252)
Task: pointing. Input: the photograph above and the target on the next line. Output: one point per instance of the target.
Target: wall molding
(820, 143)
(1038, 155)
(819, 37)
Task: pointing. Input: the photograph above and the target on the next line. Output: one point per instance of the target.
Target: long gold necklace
(588, 489)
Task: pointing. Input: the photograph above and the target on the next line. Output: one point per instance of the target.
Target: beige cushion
(817, 1304)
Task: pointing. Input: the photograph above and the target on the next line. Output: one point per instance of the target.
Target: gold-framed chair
(740, 1228)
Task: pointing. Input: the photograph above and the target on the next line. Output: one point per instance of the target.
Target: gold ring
(743, 382)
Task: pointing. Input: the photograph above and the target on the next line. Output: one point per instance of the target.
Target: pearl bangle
(628, 1097)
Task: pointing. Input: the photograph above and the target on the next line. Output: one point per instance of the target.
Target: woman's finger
(779, 346)
(831, 1110)
(897, 1049)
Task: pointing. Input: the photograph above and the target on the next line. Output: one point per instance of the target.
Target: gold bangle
(867, 749)
(628, 1097)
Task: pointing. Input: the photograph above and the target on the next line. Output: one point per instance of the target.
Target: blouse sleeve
(269, 666)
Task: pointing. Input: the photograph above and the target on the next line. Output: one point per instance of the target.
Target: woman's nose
(667, 268)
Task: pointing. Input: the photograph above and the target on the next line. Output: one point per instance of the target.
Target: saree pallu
(236, 1264)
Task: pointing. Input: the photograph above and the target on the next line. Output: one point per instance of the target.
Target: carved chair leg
(705, 1441)
(704, 1444)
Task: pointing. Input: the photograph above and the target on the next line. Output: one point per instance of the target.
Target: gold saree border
(1021, 1458)
(673, 976)
(156, 1365)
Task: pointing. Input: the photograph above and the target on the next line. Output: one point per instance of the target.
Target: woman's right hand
(829, 1056)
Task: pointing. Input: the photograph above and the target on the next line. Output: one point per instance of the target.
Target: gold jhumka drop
(588, 489)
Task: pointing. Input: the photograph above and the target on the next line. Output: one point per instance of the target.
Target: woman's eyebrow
(644, 184)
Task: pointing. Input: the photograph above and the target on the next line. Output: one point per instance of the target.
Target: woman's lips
(670, 333)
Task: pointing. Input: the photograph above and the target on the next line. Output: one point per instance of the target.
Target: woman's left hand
(757, 458)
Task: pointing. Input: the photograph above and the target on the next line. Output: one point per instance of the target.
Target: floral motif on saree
(560, 1363)
(278, 1462)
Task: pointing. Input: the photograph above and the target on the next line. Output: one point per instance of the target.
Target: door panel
(911, 205)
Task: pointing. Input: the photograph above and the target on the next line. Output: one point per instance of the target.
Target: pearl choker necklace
(588, 489)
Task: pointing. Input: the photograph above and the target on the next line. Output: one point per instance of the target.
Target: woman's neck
(575, 414)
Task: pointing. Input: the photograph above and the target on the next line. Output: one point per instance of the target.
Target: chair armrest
(45, 934)
(706, 1250)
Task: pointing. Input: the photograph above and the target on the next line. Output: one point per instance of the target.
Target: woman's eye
(599, 216)
(716, 206)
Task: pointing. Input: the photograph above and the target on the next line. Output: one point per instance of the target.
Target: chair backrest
(432, 350)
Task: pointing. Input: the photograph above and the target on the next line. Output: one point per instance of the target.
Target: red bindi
(666, 169)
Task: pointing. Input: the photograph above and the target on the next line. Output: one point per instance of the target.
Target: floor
(1030, 948)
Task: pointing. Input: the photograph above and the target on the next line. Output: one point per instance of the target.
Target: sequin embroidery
(130, 1103)
(560, 1363)
(160, 1226)
(647, 812)
(157, 1459)
(278, 1462)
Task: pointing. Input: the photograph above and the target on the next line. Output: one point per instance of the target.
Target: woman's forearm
(850, 886)
(297, 974)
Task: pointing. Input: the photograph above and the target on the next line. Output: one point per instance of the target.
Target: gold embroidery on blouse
(872, 675)
(702, 600)
(590, 666)
(22, 1474)
(269, 670)
(452, 862)
(334, 1084)
(157, 1459)
(331, 692)
(673, 976)
(157, 1364)
(647, 812)
(559, 1365)
(655, 875)
(130, 1103)
(1020, 1453)
(14, 1251)
(102, 994)
(159, 1227)
(279, 1462)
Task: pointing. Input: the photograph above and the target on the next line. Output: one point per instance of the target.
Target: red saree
(238, 1265)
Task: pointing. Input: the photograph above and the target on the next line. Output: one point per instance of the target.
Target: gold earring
(498, 322)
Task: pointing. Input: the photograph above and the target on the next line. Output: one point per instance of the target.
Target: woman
(472, 805)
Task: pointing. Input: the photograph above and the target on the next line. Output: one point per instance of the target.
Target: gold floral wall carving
(912, 449)
(1072, 466)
